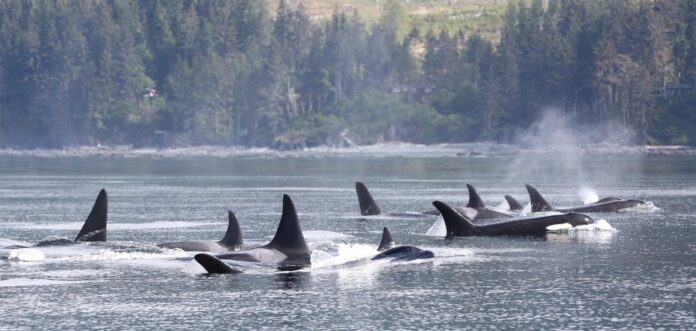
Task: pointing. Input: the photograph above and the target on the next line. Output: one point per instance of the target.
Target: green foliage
(229, 72)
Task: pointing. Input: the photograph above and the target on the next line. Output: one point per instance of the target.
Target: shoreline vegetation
(392, 149)
(296, 75)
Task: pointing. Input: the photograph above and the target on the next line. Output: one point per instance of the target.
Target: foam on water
(16, 282)
(647, 207)
(26, 255)
(344, 254)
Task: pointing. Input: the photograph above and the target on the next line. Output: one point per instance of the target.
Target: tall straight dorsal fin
(475, 200)
(538, 202)
(368, 206)
(233, 236)
(386, 242)
(455, 223)
(94, 228)
(513, 203)
(213, 265)
(288, 238)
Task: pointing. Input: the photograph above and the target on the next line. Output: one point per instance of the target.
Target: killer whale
(482, 211)
(94, 228)
(287, 250)
(513, 203)
(213, 265)
(368, 206)
(609, 204)
(388, 250)
(232, 241)
(459, 225)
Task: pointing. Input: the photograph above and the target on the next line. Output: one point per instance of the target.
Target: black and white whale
(459, 225)
(232, 241)
(399, 253)
(368, 206)
(93, 230)
(609, 204)
(213, 265)
(287, 250)
(513, 204)
(482, 211)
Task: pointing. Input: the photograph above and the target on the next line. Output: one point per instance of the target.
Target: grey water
(641, 276)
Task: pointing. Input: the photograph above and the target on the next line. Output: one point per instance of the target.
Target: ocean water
(642, 275)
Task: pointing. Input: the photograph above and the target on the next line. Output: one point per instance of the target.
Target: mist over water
(553, 147)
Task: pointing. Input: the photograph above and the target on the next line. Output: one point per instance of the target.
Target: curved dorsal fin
(214, 265)
(475, 200)
(233, 236)
(368, 206)
(386, 242)
(288, 238)
(513, 203)
(538, 202)
(94, 228)
(456, 224)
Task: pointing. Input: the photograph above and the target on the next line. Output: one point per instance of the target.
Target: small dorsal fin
(475, 200)
(456, 224)
(233, 236)
(94, 228)
(288, 238)
(368, 206)
(513, 203)
(386, 242)
(539, 204)
(213, 265)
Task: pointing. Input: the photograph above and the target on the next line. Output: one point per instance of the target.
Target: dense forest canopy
(231, 72)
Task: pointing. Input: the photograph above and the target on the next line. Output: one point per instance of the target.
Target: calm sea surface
(641, 276)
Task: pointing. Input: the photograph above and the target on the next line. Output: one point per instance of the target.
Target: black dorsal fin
(538, 202)
(456, 224)
(513, 203)
(368, 206)
(475, 200)
(288, 238)
(233, 236)
(94, 228)
(386, 242)
(213, 265)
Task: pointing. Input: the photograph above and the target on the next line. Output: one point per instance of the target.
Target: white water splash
(647, 207)
(345, 253)
(26, 255)
(438, 229)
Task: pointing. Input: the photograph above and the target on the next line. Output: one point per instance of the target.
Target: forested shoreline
(230, 72)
